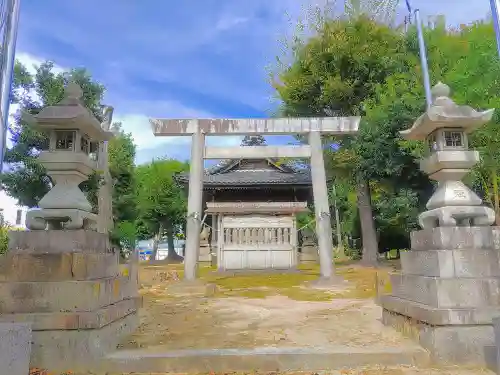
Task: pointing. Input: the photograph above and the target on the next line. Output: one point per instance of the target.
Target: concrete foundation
(448, 293)
(77, 298)
(264, 359)
(308, 254)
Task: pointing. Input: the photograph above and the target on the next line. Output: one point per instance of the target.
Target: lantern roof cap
(445, 113)
(69, 114)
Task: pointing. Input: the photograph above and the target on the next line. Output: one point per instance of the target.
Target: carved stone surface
(448, 290)
(445, 126)
(455, 215)
(60, 218)
(72, 130)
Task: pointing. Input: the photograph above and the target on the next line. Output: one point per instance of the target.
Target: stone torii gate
(313, 127)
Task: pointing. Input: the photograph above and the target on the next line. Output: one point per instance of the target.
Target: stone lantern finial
(441, 90)
(73, 91)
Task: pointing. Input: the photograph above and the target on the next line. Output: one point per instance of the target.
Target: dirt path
(229, 320)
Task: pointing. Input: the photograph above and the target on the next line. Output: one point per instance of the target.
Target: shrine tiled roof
(245, 172)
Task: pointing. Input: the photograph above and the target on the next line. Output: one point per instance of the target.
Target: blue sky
(179, 59)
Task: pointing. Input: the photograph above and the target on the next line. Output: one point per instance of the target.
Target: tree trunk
(496, 198)
(368, 233)
(156, 240)
(172, 256)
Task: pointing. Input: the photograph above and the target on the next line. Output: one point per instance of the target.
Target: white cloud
(135, 118)
(226, 23)
(30, 62)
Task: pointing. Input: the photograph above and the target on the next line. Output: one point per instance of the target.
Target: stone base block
(79, 350)
(22, 267)
(59, 241)
(15, 348)
(453, 344)
(31, 297)
(447, 292)
(76, 320)
(452, 263)
(439, 316)
(444, 238)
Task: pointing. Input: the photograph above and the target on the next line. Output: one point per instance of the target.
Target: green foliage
(336, 70)
(160, 201)
(336, 73)
(126, 234)
(4, 239)
(121, 155)
(28, 181)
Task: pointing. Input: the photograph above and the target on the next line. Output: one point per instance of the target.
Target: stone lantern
(74, 136)
(67, 282)
(444, 128)
(448, 289)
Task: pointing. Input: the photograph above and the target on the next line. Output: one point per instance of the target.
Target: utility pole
(9, 25)
(495, 15)
(423, 53)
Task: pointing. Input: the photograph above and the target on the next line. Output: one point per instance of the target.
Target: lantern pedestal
(448, 293)
(69, 285)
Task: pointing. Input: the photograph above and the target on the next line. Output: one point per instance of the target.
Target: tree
(161, 203)
(27, 180)
(121, 153)
(471, 67)
(4, 237)
(333, 74)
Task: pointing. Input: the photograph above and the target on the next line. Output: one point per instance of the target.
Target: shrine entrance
(256, 235)
(253, 242)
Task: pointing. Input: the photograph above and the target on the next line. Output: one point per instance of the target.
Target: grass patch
(262, 285)
(364, 282)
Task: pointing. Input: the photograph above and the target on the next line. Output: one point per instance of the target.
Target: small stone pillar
(205, 257)
(308, 249)
(61, 276)
(448, 290)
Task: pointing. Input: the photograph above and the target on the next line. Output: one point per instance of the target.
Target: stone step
(53, 296)
(259, 359)
(77, 320)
